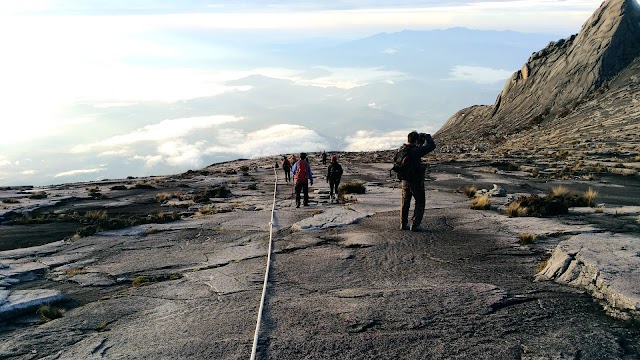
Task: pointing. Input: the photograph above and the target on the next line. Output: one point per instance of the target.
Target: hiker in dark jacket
(286, 166)
(334, 174)
(302, 176)
(417, 146)
(324, 158)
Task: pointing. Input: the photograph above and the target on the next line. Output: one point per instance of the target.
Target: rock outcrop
(561, 83)
(606, 265)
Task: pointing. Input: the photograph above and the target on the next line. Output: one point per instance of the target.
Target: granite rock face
(606, 265)
(556, 82)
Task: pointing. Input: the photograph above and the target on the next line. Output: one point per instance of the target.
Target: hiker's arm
(428, 147)
(310, 173)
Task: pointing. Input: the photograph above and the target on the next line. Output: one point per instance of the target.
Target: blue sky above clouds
(107, 89)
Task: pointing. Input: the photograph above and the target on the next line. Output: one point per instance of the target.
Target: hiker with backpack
(334, 174)
(324, 158)
(408, 165)
(286, 166)
(302, 176)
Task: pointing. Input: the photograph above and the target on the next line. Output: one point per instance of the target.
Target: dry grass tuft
(481, 203)
(541, 265)
(206, 209)
(95, 214)
(516, 210)
(599, 210)
(561, 191)
(162, 197)
(470, 190)
(74, 272)
(590, 197)
(527, 238)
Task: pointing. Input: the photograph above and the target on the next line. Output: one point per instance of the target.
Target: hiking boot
(404, 227)
(416, 228)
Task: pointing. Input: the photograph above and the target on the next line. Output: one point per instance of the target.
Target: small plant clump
(217, 192)
(94, 215)
(140, 281)
(557, 202)
(561, 191)
(143, 186)
(162, 197)
(590, 197)
(102, 326)
(470, 190)
(527, 238)
(515, 209)
(98, 220)
(49, 312)
(10, 201)
(481, 203)
(38, 195)
(118, 187)
(146, 280)
(351, 188)
(543, 264)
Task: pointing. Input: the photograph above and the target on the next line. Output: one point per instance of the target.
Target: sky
(99, 89)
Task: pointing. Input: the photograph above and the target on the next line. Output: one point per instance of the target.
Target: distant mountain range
(585, 88)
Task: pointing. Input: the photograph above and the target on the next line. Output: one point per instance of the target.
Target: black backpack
(406, 166)
(336, 172)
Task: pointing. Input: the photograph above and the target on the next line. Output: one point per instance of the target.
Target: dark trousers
(333, 187)
(304, 187)
(415, 190)
(287, 175)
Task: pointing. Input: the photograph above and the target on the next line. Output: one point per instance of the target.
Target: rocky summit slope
(344, 281)
(576, 89)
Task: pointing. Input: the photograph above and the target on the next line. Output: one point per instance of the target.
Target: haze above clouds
(108, 89)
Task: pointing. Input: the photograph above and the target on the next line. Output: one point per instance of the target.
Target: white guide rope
(266, 273)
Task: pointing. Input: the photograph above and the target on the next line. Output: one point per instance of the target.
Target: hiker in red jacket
(302, 176)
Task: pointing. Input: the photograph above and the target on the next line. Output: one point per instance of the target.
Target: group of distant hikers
(407, 164)
(303, 176)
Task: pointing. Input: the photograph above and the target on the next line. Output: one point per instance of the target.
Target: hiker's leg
(298, 188)
(337, 185)
(305, 190)
(418, 212)
(406, 202)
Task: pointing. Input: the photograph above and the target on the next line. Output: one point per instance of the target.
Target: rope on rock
(266, 273)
